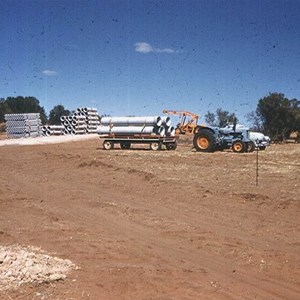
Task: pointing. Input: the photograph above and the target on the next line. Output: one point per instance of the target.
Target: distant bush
(19, 105)
(2, 127)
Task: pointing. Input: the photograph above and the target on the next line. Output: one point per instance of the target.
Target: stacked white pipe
(153, 125)
(91, 118)
(23, 125)
(83, 121)
(53, 130)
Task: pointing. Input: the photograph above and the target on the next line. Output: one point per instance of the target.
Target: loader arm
(188, 121)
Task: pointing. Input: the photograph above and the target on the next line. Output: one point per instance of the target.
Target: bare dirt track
(155, 225)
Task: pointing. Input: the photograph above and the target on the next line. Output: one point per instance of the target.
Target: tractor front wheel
(251, 147)
(238, 146)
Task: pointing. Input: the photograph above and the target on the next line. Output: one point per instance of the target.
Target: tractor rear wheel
(238, 146)
(204, 141)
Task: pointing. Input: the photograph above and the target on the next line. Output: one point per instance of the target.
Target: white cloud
(165, 50)
(144, 47)
(50, 73)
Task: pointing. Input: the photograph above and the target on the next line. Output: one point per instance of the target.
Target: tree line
(18, 105)
(275, 115)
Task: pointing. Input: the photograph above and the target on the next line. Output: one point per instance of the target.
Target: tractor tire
(238, 146)
(125, 145)
(204, 141)
(251, 147)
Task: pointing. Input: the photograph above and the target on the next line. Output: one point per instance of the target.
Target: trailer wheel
(204, 141)
(107, 145)
(171, 146)
(125, 145)
(155, 146)
(262, 148)
(251, 147)
(238, 146)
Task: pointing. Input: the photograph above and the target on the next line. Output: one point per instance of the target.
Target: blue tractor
(210, 139)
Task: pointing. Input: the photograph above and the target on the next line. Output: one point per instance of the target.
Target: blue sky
(135, 57)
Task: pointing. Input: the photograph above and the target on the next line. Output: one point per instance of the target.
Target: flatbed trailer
(156, 142)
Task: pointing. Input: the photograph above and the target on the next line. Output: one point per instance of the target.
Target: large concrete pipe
(55, 127)
(170, 131)
(21, 117)
(166, 121)
(80, 131)
(93, 118)
(23, 123)
(131, 130)
(93, 123)
(79, 117)
(129, 121)
(91, 130)
(88, 109)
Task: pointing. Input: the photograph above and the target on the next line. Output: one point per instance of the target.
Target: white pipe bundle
(170, 131)
(12, 123)
(166, 121)
(89, 110)
(53, 130)
(84, 120)
(126, 130)
(22, 117)
(23, 125)
(132, 121)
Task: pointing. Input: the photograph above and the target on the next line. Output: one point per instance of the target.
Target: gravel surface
(46, 140)
(19, 265)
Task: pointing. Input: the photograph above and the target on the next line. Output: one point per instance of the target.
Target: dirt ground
(161, 225)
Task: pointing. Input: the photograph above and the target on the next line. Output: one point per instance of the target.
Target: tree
(254, 120)
(56, 113)
(210, 118)
(18, 105)
(220, 118)
(279, 115)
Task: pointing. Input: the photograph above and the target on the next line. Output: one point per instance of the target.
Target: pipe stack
(83, 121)
(136, 125)
(166, 123)
(23, 125)
(91, 118)
(53, 130)
(74, 124)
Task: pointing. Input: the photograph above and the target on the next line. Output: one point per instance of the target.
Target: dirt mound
(19, 265)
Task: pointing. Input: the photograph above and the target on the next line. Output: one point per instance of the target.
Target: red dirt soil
(145, 224)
